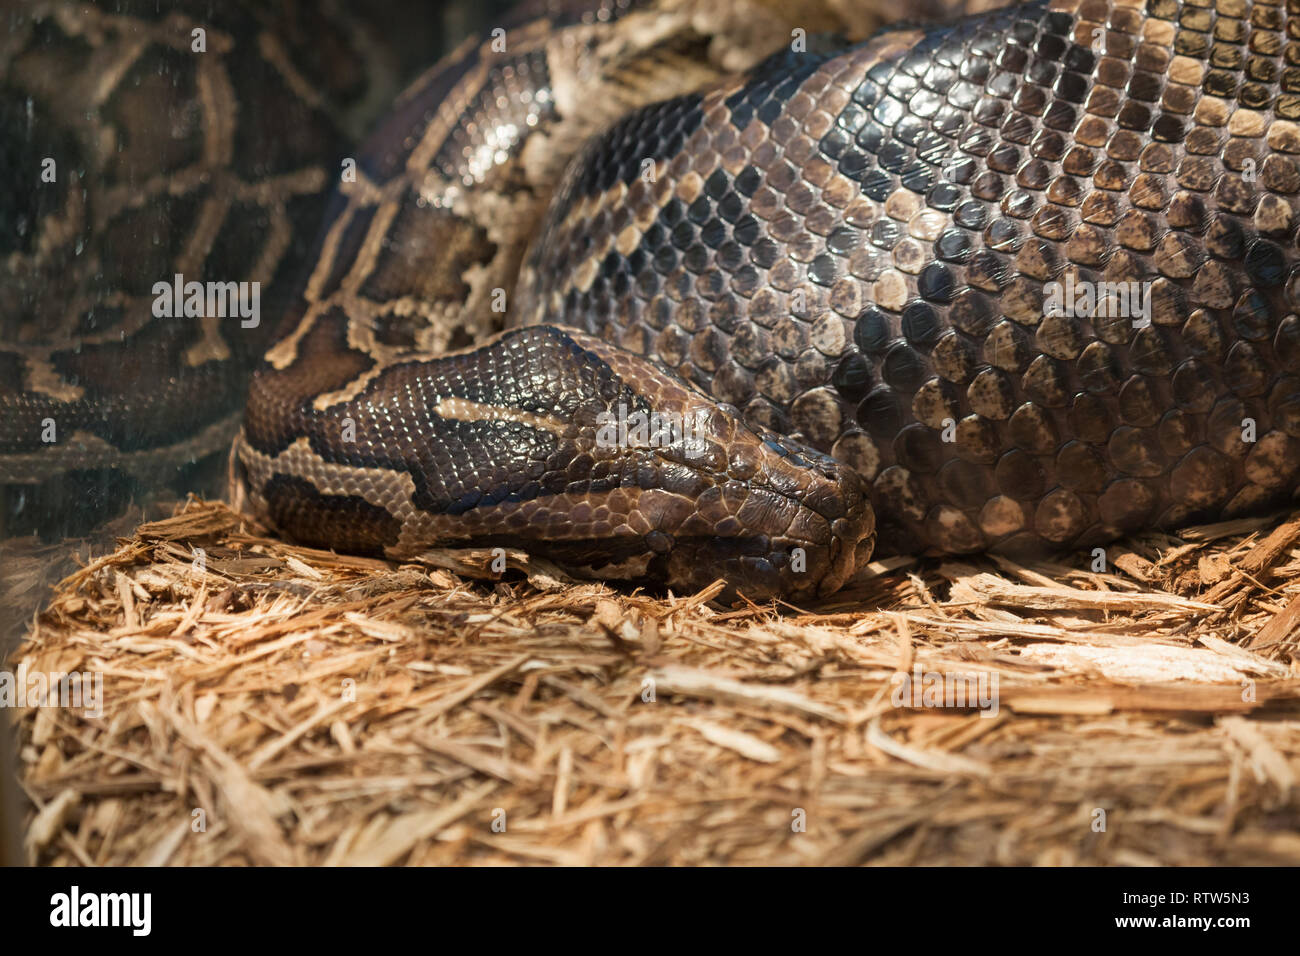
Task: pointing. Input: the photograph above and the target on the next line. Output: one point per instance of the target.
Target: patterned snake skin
(865, 273)
(138, 141)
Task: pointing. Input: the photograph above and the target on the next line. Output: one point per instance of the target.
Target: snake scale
(1024, 281)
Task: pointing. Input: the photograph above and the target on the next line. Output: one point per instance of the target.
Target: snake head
(556, 442)
(719, 499)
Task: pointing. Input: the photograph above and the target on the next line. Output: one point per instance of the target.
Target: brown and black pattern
(853, 250)
(849, 247)
(214, 163)
(423, 249)
(499, 445)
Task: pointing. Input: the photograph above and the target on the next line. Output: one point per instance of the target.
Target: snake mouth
(804, 526)
(854, 534)
(856, 544)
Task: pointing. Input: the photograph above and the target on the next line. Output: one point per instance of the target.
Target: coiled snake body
(887, 285)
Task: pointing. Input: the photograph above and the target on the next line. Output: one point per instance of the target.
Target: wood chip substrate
(269, 704)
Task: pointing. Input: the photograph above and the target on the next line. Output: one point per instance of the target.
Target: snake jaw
(778, 545)
(776, 519)
(853, 536)
(836, 502)
(779, 518)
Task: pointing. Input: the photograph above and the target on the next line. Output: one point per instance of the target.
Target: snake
(673, 291)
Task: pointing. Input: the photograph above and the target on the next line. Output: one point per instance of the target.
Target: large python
(865, 276)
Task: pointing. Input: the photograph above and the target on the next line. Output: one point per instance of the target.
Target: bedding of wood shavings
(270, 704)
